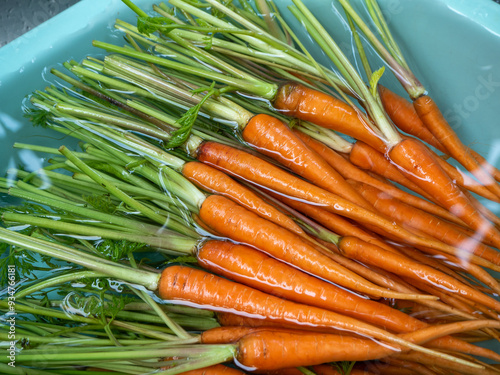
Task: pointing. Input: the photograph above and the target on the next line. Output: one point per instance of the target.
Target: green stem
(176, 329)
(111, 188)
(147, 279)
(72, 276)
(170, 240)
(263, 89)
(318, 32)
(224, 351)
(406, 77)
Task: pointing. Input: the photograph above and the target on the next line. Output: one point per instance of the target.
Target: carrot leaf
(188, 119)
(149, 25)
(375, 77)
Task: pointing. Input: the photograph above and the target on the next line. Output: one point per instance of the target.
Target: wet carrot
(255, 269)
(243, 226)
(411, 216)
(298, 101)
(334, 222)
(270, 350)
(349, 171)
(400, 265)
(248, 167)
(410, 155)
(433, 119)
(258, 270)
(403, 114)
(465, 181)
(215, 181)
(366, 157)
(275, 139)
(189, 286)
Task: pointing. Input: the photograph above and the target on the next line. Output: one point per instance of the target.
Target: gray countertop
(20, 16)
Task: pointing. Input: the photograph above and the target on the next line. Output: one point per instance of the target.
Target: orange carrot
(255, 269)
(410, 155)
(189, 286)
(349, 171)
(427, 223)
(298, 101)
(274, 349)
(465, 181)
(366, 157)
(275, 139)
(241, 225)
(248, 167)
(215, 181)
(404, 116)
(337, 224)
(400, 265)
(431, 116)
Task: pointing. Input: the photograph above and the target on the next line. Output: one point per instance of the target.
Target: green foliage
(374, 80)
(97, 305)
(101, 202)
(344, 367)
(149, 25)
(117, 250)
(38, 117)
(217, 13)
(187, 121)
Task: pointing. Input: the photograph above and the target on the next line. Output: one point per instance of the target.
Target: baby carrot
(251, 168)
(427, 223)
(404, 116)
(243, 226)
(431, 116)
(349, 171)
(410, 155)
(366, 157)
(258, 270)
(400, 265)
(274, 349)
(298, 101)
(255, 269)
(215, 181)
(275, 139)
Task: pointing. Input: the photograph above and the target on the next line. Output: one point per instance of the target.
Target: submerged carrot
(258, 270)
(251, 168)
(427, 223)
(274, 349)
(255, 269)
(431, 116)
(400, 265)
(349, 171)
(405, 117)
(243, 226)
(298, 101)
(188, 285)
(410, 155)
(215, 181)
(275, 139)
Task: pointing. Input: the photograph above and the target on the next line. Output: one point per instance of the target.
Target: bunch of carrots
(275, 191)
